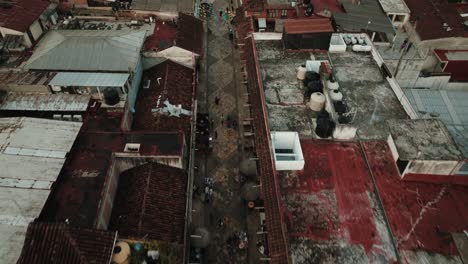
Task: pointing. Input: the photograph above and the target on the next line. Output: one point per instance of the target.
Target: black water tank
(325, 127)
(111, 96)
(323, 115)
(340, 107)
(344, 118)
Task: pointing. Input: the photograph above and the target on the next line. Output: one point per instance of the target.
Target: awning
(262, 22)
(85, 79)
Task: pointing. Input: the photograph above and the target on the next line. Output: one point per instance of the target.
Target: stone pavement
(222, 81)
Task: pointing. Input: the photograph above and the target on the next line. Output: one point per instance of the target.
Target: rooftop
(190, 33)
(333, 212)
(45, 102)
(422, 216)
(20, 14)
(88, 50)
(61, 243)
(331, 208)
(423, 139)
(32, 155)
(357, 17)
(26, 78)
(172, 6)
(304, 26)
(150, 203)
(432, 15)
(168, 81)
(163, 37)
(364, 89)
(394, 6)
(448, 106)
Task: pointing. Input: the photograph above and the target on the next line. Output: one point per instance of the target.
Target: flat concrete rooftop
(359, 77)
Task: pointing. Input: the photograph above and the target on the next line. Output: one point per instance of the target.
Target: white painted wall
(393, 149)
(36, 30)
(437, 167)
(288, 140)
(337, 43)
(267, 36)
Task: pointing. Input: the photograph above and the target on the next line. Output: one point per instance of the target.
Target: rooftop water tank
(111, 96)
(301, 72)
(362, 48)
(336, 95)
(333, 85)
(317, 101)
(325, 127)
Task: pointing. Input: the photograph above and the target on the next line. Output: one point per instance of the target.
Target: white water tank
(317, 101)
(333, 85)
(301, 72)
(336, 95)
(362, 48)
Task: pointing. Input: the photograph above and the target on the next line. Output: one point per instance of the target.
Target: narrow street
(225, 214)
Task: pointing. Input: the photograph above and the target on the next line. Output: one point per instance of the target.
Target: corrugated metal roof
(90, 79)
(357, 17)
(304, 26)
(32, 153)
(26, 78)
(88, 50)
(45, 102)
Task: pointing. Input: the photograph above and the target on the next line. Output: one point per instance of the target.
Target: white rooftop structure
(287, 151)
(394, 6)
(32, 153)
(45, 102)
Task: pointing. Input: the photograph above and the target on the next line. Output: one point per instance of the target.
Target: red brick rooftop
(190, 33)
(163, 37)
(21, 14)
(150, 203)
(50, 243)
(176, 83)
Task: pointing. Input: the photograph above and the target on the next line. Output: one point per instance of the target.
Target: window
(399, 18)
(257, 14)
(272, 13)
(284, 13)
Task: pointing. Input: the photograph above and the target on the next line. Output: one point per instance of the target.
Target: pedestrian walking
(216, 100)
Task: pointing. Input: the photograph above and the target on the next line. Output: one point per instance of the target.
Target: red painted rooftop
(329, 201)
(21, 14)
(405, 202)
(190, 33)
(432, 15)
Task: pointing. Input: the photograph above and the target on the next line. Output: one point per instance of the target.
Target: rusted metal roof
(150, 203)
(305, 26)
(20, 14)
(26, 78)
(60, 243)
(45, 102)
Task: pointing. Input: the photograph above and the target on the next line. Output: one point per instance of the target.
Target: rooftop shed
(307, 33)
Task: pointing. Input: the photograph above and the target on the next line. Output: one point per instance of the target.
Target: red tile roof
(432, 15)
(57, 243)
(163, 37)
(176, 83)
(254, 5)
(277, 242)
(304, 26)
(150, 203)
(190, 33)
(21, 14)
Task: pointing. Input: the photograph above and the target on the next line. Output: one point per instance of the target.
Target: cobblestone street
(222, 164)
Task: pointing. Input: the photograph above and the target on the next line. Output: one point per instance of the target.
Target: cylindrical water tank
(332, 85)
(317, 101)
(325, 127)
(301, 72)
(336, 95)
(362, 48)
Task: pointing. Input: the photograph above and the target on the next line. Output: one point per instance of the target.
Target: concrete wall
(392, 146)
(437, 167)
(136, 81)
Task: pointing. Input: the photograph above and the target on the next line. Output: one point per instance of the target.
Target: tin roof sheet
(90, 79)
(45, 102)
